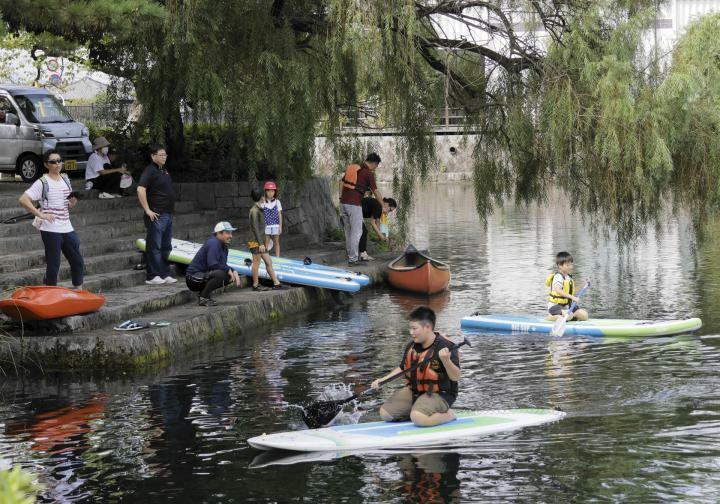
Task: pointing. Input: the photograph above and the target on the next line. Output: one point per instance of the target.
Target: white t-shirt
(96, 162)
(57, 204)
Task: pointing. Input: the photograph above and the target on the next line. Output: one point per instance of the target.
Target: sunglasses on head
(55, 161)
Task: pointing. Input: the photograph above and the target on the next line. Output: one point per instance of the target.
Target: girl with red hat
(273, 217)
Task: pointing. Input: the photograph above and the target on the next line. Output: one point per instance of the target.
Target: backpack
(46, 186)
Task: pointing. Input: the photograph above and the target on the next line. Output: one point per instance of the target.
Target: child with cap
(272, 210)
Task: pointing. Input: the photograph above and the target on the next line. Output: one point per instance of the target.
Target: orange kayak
(415, 272)
(46, 302)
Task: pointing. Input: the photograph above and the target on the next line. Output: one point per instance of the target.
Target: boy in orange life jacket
(433, 387)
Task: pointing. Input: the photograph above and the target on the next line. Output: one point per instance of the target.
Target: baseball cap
(223, 226)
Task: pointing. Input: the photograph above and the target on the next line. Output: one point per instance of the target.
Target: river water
(643, 421)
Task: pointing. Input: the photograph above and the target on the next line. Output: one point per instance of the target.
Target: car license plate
(70, 164)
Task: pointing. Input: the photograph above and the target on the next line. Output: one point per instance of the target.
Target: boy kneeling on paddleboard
(433, 386)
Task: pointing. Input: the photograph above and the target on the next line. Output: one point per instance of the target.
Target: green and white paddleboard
(379, 435)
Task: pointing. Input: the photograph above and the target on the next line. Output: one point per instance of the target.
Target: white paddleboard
(379, 435)
(183, 252)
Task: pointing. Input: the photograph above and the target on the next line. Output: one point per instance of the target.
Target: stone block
(243, 202)
(188, 191)
(206, 202)
(243, 189)
(225, 202)
(226, 189)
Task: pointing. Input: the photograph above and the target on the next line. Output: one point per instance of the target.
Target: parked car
(33, 121)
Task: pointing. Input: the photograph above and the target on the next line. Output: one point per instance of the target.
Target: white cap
(223, 226)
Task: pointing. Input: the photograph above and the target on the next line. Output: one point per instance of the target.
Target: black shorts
(557, 309)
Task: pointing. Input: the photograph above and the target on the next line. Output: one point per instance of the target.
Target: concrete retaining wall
(307, 209)
(454, 152)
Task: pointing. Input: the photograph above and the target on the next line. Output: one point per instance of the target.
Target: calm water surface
(643, 420)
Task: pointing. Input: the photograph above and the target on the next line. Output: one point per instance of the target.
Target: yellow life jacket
(568, 288)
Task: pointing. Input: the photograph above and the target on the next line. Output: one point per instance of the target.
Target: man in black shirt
(372, 209)
(157, 197)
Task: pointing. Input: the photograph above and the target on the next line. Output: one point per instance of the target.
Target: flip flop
(132, 325)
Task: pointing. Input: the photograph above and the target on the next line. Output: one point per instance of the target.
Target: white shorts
(273, 230)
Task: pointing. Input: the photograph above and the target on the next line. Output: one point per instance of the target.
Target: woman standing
(54, 192)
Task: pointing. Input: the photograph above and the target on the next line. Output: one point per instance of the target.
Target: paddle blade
(559, 326)
(321, 413)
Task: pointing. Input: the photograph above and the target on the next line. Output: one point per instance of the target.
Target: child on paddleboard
(432, 388)
(273, 217)
(562, 289)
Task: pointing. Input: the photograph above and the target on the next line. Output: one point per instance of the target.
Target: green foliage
(591, 118)
(334, 234)
(691, 116)
(17, 486)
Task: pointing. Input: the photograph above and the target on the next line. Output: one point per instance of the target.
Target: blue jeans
(69, 245)
(158, 245)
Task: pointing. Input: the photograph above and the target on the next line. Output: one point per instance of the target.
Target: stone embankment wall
(307, 209)
(454, 152)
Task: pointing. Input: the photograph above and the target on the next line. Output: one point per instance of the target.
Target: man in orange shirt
(357, 180)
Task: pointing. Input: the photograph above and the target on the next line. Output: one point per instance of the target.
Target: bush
(17, 486)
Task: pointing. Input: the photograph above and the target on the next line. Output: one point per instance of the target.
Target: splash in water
(334, 392)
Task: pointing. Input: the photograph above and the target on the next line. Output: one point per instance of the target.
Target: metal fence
(100, 115)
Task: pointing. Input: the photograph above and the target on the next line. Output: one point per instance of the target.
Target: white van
(33, 121)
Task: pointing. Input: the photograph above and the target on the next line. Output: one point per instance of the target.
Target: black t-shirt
(159, 188)
(438, 365)
(371, 208)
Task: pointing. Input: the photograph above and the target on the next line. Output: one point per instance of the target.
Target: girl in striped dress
(273, 218)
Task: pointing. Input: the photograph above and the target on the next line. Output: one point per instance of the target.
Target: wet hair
(256, 194)
(155, 148)
(391, 202)
(424, 315)
(46, 156)
(372, 158)
(563, 257)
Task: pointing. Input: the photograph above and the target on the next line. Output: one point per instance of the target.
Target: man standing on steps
(209, 269)
(357, 180)
(157, 197)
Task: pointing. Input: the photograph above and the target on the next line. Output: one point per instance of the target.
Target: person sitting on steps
(209, 269)
(99, 174)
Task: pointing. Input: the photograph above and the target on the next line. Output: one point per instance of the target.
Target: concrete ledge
(192, 327)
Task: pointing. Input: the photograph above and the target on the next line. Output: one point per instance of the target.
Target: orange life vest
(431, 377)
(350, 178)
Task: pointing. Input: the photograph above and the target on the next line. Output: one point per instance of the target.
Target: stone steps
(127, 303)
(129, 297)
(32, 240)
(92, 218)
(32, 258)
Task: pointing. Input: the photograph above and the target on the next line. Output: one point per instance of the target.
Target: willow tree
(577, 108)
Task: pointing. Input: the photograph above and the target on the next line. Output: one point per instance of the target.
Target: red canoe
(415, 272)
(46, 302)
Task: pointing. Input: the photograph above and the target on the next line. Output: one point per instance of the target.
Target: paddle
(560, 324)
(321, 413)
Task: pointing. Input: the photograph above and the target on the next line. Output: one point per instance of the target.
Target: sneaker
(155, 281)
(169, 279)
(104, 195)
(367, 258)
(259, 288)
(207, 302)
(116, 195)
(353, 263)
